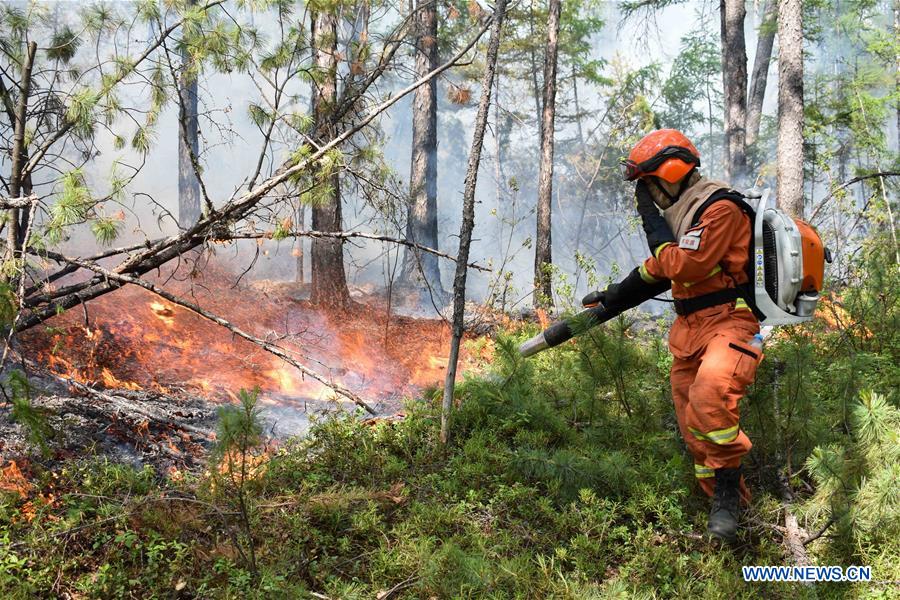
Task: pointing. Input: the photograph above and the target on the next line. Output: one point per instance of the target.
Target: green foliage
(235, 471)
(142, 139)
(259, 115)
(239, 429)
(858, 483)
(8, 305)
(34, 420)
(106, 229)
(63, 45)
(72, 205)
(81, 109)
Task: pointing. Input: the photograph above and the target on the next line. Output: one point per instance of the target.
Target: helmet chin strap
(673, 198)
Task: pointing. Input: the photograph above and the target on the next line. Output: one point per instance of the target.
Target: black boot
(723, 518)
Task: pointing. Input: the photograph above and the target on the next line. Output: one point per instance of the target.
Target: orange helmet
(664, 153)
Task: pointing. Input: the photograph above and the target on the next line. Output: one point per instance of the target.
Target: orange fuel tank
(813, 257)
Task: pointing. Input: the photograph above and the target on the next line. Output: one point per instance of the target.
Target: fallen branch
(120, 404)
(343, 235)
(121, 279)
(49, 304)
(810, 539)
(409, 582)
(794, 535)
(69, 269)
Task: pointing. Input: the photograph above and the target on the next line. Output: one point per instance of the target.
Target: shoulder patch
(691, 239)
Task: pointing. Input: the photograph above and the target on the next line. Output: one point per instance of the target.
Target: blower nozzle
(534, 345)
(565, 329)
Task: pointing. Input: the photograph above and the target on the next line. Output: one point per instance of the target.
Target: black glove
(594, 299)
(645, 205)
(631, 291)
(655, 226)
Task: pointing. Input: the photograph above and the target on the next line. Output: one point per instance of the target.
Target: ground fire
(132, 339)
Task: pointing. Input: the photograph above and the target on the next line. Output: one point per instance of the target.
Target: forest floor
(536, 496)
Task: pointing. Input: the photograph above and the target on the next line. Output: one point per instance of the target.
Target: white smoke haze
(601, 219)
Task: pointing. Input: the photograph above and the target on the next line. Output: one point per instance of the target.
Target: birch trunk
(543, 254)
(328, 281)
(421, 223)
(765, 41)
(468, 216)
(734, 78)
(790, 107)
(189, 210)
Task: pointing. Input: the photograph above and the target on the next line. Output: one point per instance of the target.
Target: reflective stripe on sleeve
(645, 275)
(702, 472)
(661, 246)
(719, 436)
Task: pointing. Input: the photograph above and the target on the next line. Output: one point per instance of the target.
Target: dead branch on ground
(121, 279)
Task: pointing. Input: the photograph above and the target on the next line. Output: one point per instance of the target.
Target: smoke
(592, 216)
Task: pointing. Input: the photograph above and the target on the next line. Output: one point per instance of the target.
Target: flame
(111, 381)
(12, 480)
(165, 313)
(135, 340)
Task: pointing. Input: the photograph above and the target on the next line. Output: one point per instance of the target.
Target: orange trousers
(713, 365)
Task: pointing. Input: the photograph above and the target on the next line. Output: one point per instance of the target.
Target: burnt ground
(167, 432)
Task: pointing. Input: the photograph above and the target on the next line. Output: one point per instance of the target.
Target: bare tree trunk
(734, 77)
(468, 220)
(189, 210)
(19, 157)
(301, 223)
(329, 283)
(535, 88)
(764, 42)
(543, 254)
(790, 107)
(421, 222)
(897, 74)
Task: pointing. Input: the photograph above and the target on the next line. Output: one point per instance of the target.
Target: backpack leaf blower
(785, 272)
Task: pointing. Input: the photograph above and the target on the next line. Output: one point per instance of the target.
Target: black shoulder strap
(726, 194)
(746, 290)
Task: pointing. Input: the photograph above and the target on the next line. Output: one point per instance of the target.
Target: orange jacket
(709, 257)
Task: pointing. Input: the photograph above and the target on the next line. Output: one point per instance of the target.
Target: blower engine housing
(788, 265)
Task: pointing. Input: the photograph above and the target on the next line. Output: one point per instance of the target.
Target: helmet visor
(632, 170)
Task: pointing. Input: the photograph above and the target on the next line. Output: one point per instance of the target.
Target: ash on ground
(167, 432)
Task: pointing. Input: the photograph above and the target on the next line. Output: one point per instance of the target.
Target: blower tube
(565, 329)
(636, 293)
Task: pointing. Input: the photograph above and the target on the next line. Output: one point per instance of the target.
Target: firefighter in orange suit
(700, 245)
